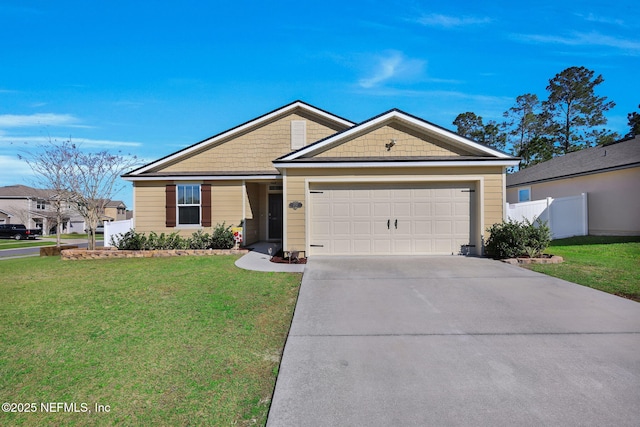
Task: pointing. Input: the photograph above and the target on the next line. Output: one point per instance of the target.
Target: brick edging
(80, 254)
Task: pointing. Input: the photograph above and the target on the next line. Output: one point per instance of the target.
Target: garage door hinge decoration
(316, 192)
(468, 191)
(317, 246)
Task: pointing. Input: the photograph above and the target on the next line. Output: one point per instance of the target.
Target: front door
(275, 216)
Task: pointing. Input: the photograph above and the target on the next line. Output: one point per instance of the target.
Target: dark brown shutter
(205, 201)
(171, 205)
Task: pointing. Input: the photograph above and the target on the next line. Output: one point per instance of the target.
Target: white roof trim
(394, 164)
(404, 117)
(242, 128)
(201, 177)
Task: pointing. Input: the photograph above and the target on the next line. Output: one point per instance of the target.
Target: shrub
(130, 241)
(199, 240)
(222, 237)
(512, 239)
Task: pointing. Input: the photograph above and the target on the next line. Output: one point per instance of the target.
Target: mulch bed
(279, 258)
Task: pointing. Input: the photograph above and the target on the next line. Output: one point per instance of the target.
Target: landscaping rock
(553, 259)
(55, 250)
(80, 254)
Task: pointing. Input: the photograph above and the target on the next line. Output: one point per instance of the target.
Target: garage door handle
(388, 224)
(396, 224)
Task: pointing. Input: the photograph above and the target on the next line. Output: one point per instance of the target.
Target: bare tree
(84, 180)
(93, 179)
(51, 166)
(21, 213)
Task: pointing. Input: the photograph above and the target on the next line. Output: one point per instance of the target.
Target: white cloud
(591, 17)
(393, 65)
(43, 119)
(14, 171)
(584, 39)
(445, 21)
(448, 95)
(84, 142)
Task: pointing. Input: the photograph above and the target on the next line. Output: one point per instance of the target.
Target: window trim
(179, 205)
(528, 188)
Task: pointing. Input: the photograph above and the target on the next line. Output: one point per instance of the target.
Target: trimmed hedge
(513, 239)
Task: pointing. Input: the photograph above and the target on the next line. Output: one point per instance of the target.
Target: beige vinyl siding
(254, 150)
(493, 199)
(226, 201)
(492, 178)
(406, 143)
(149, 213)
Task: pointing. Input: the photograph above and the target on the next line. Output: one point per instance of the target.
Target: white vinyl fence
(116, 227)
(565, 216)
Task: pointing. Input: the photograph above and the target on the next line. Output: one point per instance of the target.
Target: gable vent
(298, 134)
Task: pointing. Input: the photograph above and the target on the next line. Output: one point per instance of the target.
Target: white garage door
(393, 219)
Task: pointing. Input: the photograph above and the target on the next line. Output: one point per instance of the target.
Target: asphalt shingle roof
(22, 191)
(620, 154)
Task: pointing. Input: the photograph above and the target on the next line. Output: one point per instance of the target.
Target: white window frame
(184, 205)
(523, 189)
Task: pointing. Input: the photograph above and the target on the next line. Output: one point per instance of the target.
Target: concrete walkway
(439, 341)
(258, 259)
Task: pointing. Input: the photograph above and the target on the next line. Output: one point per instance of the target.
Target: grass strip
(609, 264)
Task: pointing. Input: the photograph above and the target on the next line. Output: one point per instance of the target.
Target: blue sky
(149, 78)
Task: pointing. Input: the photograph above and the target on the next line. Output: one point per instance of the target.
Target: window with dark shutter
(188, 204)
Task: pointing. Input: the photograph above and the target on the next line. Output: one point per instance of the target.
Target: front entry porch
(263, 210)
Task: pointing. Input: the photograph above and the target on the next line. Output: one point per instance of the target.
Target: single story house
(609, 174)
(394, 184)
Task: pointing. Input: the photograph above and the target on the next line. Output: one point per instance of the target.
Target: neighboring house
(394, 184)
(115, 210)
(5, 217)
(609, 174)
(32, 207)
(21, 204)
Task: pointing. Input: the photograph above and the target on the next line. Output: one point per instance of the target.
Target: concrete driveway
(435, 341)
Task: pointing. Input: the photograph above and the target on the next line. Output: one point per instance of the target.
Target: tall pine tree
(575, 110)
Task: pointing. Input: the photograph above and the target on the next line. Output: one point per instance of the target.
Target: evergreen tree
(575, 110)
(634, 123)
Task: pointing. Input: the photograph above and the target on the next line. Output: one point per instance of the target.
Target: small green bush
(222, 238)
(512, 239)
(199, 240)
(129, 241)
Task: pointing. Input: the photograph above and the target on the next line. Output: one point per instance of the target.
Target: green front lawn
(162, 341)
(610, 264)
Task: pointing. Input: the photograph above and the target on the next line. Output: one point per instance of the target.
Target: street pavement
(35, 250)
